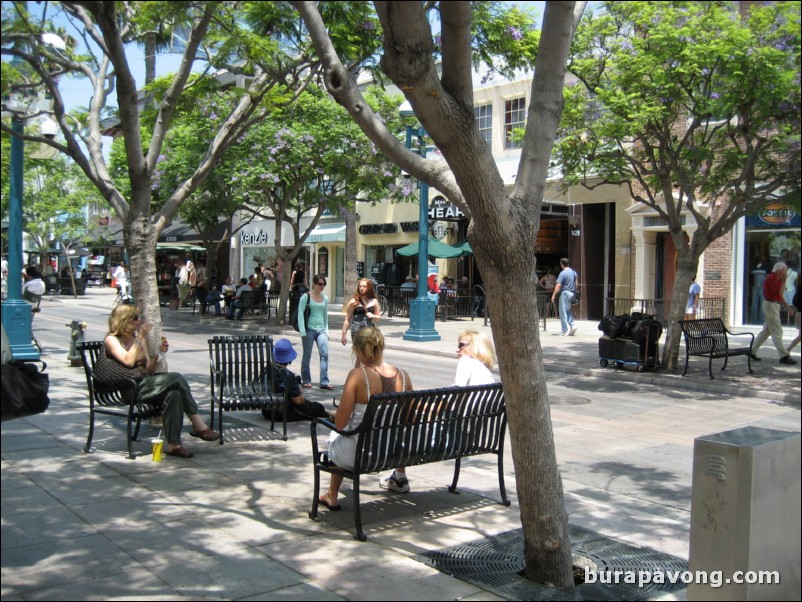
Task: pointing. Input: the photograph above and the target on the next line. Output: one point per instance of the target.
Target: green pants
(173, 389)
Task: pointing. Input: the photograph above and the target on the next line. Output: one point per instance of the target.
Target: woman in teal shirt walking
(315, 330)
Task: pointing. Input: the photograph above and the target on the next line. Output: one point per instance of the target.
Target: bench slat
(241, 375)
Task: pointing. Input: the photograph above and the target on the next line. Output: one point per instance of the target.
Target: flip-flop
(335, 508)
(327, 387)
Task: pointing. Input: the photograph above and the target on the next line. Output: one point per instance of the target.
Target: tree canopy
(695, 107)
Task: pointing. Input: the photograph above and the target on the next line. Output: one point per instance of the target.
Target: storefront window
(771, 236)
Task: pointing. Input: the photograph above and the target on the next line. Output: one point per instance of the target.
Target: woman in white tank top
(373, 375)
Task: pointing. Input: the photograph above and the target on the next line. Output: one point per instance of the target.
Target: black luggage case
(623, 352)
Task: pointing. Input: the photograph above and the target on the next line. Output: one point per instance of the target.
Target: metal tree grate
(497, 564)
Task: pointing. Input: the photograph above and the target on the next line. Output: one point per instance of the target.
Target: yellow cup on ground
(158, 446)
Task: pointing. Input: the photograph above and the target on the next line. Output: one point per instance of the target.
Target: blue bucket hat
(283, 352)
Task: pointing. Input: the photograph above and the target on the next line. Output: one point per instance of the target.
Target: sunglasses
(463, 345)
(320, 283)
(135, 318)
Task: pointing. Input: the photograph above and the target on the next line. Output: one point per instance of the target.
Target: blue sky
(76, 92)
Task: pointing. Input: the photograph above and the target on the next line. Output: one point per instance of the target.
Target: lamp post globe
(421, 309)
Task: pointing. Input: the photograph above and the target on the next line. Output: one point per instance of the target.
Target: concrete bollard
(745, 516)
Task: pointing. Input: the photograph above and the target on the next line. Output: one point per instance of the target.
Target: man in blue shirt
(693, 300)
(566, 289)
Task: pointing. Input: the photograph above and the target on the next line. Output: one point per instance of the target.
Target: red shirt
(773, 288)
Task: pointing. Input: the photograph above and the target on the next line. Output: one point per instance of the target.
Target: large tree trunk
(687, 265)
(547, 547)
(286, 275)
(140, 242)
(350, 277)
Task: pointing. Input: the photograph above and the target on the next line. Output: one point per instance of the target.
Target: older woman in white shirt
(476, 358)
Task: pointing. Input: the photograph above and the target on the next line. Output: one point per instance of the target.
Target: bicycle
(122, 298)
(380, 297)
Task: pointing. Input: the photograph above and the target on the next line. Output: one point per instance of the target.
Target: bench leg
(501, 486)
(360, 535)
(220, 416)
(453, 487)
(315, 495)
(129, 435)
(710, 367)
(88, 445)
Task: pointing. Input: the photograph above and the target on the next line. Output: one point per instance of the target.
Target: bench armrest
(328, 424)
(742, 334)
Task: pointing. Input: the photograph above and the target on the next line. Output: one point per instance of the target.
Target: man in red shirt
(773, 299)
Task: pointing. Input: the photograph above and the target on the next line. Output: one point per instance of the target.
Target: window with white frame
(484, 122)
(514, 118)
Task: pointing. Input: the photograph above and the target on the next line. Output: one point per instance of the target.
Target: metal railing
(451, 304)
(709, 307)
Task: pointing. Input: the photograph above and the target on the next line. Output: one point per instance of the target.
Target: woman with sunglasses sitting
(125, 355)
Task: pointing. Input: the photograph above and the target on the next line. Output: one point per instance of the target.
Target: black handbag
(577, 298)
(24, 390)
(108, 371)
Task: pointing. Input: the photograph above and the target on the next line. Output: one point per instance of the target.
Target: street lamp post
(16, 312)
(421, 309)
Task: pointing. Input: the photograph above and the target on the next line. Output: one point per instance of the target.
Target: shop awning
(436, 249)
(328, 233)
(178, 246)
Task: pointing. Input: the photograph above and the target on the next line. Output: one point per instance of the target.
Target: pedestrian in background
(315, 331)
(693, 300)
(566, 289)
(773, 300)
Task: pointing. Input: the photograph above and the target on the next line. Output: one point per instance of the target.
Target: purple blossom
(514, 32)
(407, 186)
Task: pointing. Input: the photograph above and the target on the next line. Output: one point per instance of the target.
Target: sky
(77, 92)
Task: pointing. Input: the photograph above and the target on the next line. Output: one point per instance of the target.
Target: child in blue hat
(285, 382)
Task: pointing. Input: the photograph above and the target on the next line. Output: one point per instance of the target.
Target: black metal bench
(420, 427)
(65, 287)
(707, 337)
(241, 374)
(117, 401)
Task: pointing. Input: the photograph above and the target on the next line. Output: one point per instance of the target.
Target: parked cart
(633, 343)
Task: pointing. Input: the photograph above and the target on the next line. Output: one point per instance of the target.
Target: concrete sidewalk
(232, 522)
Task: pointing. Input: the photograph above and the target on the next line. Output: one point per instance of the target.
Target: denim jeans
(321, 337)
(566, 316)
(235, 306)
